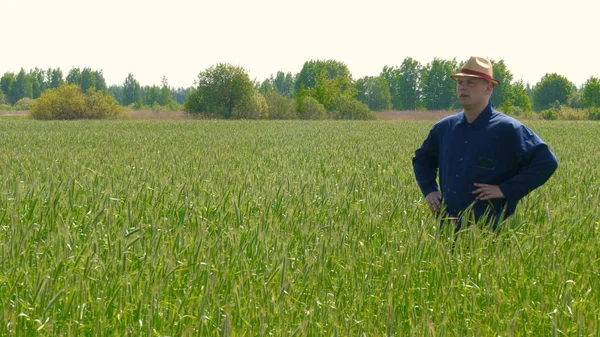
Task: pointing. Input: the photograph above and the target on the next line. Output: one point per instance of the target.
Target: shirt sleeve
(425, 163)
(537, 164)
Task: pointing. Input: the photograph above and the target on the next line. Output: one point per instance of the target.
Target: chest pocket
(486, 163)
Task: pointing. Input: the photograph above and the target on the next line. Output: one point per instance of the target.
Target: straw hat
(477, 67)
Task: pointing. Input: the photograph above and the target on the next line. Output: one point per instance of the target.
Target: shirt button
(454, 192)
(461, 159)
(466, 142)
(457, 176)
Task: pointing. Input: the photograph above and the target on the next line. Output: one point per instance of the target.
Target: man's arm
(425, 163)
(538, 164)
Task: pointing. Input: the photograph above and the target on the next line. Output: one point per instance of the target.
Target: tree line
(322, 89)
(25, 86)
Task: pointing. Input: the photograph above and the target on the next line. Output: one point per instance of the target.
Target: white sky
(180, 38)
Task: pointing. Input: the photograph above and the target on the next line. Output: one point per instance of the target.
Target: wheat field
(291, 228)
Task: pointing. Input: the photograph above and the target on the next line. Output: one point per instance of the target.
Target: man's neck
(472, 112)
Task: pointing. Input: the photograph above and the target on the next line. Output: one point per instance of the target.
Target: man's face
(473, 91)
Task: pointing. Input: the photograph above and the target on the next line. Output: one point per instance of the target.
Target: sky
(180, 38)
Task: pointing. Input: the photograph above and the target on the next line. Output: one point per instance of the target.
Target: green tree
(284, 83)
(503, 91)
(150, 95)
(117, 92)
(439, 89)
(22, 87)
(519, 96)
(374, 92)
(131, 91)
(325, 81)
(39, 84)
(312, 70)
(180, 94)
(55, 78)
(6, 85)
(552, 89)
(266, 86)
(74, 76)
(409, 83)
(327, 90)
(100, 81)
(392, 76)
(404, 83)
(576, 100)
(87, 80)
(591, 93)
(220, 89)
(164, 95)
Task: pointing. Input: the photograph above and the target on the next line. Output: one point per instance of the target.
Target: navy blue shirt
(494, 149)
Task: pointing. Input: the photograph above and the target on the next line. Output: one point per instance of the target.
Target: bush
(549, 114)
(156, 107)
(593, 113)
(23, 104)
(571, 114)
(527, 114)
(254, 107)
(310, 108)
(345, 107)
(101, 106)
(514, 111)
(68, 102)
(575, 100)
(280, 107)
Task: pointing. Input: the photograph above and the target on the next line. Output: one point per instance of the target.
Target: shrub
(280, 107)
(194, 103)
(345, 107)
(575, 100)
(68, 102)
(571, 114)
(593, 113)
(549, 114)
(254, 107)
(24, 103)
(528, 114)
(310, 108)
(515, 111)
(101, 106)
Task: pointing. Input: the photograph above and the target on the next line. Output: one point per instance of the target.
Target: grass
(214, 228)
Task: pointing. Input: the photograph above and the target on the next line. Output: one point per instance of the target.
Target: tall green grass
(213, 228)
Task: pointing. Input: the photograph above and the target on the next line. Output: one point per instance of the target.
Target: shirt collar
(482, 120)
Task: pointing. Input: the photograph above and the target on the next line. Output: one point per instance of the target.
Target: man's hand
(487, 192)
(434, 201)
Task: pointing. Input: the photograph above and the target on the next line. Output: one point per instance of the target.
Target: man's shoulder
(450, 120)
(502, 120)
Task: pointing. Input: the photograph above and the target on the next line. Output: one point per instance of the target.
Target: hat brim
(494, 81)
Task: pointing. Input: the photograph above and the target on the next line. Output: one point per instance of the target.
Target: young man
(486, 160)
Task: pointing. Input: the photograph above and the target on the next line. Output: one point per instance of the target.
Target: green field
(216, 228)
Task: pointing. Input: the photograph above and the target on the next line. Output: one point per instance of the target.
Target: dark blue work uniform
(494, 149)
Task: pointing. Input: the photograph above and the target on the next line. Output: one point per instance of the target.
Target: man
(487, 161)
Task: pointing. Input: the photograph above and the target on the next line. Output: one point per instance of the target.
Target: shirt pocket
(486, 163)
